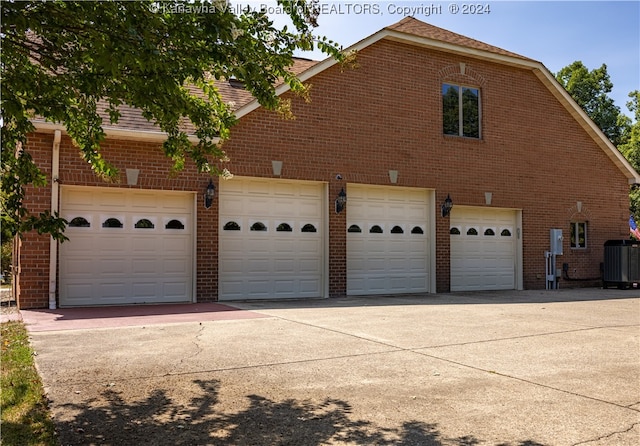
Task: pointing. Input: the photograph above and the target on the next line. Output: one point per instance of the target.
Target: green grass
(24, 412)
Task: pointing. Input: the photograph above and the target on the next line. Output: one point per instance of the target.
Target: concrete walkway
(511, 368)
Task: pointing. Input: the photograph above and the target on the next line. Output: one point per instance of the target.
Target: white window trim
(575, 233)
(460, 110)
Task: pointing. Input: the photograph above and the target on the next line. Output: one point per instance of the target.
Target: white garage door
(271, 239)
(483, 249)
(387, 240)
(126, 247)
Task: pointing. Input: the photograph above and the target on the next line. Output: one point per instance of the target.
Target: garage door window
(472, 231)
(112, 223)
(144, 223)
(454, 231)
(417, 230)
(258, 226)
(284, 227)
(505, 233)
(308, 228)
(489, 232)
(354, 228)
(375, 229)
(79, 222)
(175, 224)
(231, 226)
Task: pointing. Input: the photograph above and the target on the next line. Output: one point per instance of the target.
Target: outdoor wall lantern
(341, 201)
(446, 206)
(209, 193)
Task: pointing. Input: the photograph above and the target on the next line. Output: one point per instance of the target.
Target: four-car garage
(137, 246)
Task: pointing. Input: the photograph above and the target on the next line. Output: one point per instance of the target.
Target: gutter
(55, 193)
(118, 133)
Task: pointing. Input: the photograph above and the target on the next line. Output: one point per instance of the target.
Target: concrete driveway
(511, 368)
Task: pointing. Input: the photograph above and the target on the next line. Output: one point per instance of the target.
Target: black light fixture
(446, 206)
(341, 201)
(209, 193)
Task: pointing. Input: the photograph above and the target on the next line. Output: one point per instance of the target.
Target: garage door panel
(146, 290)
(173, 290)
(379, 263)
(171, 246)
(277, 261)
(178, 267)
(110, 199)
(104, 266)
(143, 244)
(485, 261)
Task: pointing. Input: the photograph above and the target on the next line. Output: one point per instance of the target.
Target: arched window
(472, 231)
(454, 231)
(144, 223)
(258, 226)
(112, 223)
(489, 231)
(505, 233)
(79, 222)
(375, 229)
(354, 228)
(308, 228)
(284, 227)
(174, 224)
(397, 230)
(417, 230)
(231, 226)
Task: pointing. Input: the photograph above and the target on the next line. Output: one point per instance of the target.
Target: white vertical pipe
(55, 192)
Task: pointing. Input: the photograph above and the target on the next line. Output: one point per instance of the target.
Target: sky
(555, 33)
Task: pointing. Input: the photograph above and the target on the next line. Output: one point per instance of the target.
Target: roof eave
(118, 133)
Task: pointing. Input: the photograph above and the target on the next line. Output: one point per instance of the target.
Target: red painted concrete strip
(128, 316)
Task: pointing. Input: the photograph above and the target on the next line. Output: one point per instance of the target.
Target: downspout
(55, 192)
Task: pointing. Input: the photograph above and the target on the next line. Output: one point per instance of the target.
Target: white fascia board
(117, 133)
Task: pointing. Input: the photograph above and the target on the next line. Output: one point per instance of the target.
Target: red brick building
(426, 115)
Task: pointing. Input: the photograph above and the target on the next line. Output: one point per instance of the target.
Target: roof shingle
(410, 25)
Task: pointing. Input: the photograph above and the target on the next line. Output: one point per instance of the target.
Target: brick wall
(155, 173)
(385, 115)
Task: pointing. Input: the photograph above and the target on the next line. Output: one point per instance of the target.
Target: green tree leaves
(79, 63)
(590, 90)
